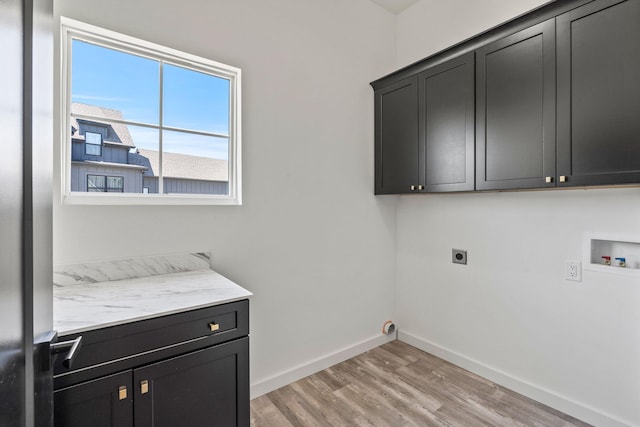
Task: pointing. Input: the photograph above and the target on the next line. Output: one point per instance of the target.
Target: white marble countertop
(85, 306)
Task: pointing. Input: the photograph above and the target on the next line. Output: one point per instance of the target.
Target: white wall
(509, 314)
(318, 249)
(430, 26)
(311, 241)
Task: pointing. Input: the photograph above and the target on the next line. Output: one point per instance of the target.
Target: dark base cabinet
(104, 402)
(203, 380)
(197, 389)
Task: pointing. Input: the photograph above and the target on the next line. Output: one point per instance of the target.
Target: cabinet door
(446, 106)
(515, 127)
(206, 387)
(105, 402)
(396, 137)
(599, 93)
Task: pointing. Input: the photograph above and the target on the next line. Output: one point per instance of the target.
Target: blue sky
(130, 84)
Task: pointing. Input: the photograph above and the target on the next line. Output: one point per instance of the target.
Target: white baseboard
(304, 370)
(547, 397)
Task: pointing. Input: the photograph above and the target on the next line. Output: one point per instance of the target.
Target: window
(105, 184)
(93, 144)
(170, 122)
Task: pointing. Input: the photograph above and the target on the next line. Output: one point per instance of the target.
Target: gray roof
(118, 133)
(181, 165)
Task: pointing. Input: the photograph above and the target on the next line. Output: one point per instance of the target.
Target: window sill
(110, 199)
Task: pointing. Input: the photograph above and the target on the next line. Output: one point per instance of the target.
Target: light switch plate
(458, 256)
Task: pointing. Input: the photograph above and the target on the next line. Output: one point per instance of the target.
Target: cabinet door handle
(122, 392)
(144, 387)
(413, 188)
(563, 178)
(214, 326)
(420, 187)
(548, 179)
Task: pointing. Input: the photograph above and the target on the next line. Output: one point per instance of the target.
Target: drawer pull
(214, 327)
(144, 387)
(122, 392)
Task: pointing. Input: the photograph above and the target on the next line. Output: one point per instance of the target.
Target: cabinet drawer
(124, 346)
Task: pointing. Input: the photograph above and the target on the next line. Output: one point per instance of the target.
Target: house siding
(79, 172)
(186, 186)
(192, 186)
(109, 154)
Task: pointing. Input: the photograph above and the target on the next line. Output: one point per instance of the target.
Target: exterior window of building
(105, 184)
(166, 121)
(93, 144)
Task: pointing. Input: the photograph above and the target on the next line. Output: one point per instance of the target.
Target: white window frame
(72, 29)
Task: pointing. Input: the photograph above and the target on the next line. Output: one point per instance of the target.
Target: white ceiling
(395, 6)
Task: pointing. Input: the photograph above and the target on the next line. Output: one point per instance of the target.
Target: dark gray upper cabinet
(515, 122)
(446, 126)
(424, 130)
(599, 94)
(396, 137)
(557, 104)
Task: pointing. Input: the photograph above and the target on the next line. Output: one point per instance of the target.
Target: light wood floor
(398, 385)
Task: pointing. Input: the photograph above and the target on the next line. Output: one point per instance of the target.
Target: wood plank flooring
(399, 385)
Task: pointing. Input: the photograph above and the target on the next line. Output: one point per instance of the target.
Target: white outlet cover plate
(573, 271)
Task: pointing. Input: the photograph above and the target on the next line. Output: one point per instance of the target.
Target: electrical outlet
(458, 256)
(573, 271)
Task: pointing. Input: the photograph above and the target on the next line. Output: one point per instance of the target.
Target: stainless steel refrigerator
(26, 135)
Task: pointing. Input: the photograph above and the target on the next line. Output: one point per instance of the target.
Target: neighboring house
(182, 173)
(104, 158)
(100, 153)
